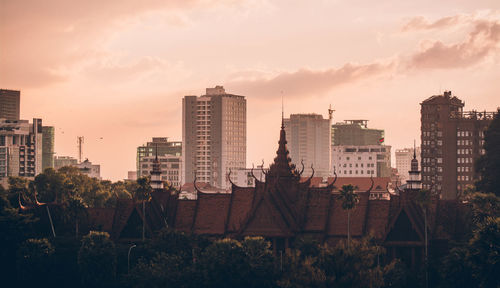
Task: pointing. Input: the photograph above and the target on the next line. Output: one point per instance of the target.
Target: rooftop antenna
(414, 149)
(80, 141)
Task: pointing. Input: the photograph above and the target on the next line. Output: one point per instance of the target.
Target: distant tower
(414, 182)
(156, 182)
(80, 148)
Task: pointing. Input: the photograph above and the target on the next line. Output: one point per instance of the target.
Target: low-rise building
(89, 169)
(62, 161)
(362, 161)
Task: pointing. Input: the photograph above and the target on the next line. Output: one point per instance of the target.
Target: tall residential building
(10, 101)
(356, 132)
(62, 161)
(213, 136)
(452, 140)
(404, 159)
(362, 161)
(170, 168)
(159, 145)
(47, 147)
(309, 140)
(20, 148)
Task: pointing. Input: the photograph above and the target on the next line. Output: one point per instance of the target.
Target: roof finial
(414, 149)
(282, 112)
(156, 151)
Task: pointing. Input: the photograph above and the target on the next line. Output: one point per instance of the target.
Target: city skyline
(85, 73)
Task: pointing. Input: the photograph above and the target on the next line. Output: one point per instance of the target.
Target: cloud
(47, 36)
(422, 23)
(481, 42)
(308, 82)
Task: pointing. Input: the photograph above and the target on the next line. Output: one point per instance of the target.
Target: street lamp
(128, 258)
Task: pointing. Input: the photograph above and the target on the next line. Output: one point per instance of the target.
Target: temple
(288, 205)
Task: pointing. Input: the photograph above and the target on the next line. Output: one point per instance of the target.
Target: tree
(97, 260)
(15, 228)
(261, 261)
(143, 193)
(224, 264)
(488, 165)
(349, 201)
(74, 211)
(33, 262)
(485, 253)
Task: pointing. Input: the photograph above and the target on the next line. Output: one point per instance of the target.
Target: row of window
(464, 169)
(357, 172)
(464, 151)
(464, 160)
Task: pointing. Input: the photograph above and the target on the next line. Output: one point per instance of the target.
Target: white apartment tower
(309, 140)
(213, 136)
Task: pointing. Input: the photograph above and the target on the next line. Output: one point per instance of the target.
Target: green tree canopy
(488, 165)
(97, 260)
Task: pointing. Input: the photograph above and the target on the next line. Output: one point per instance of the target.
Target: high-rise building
(404, 159)
(47, 147)
(452, 140)
(309, 140)
(20, 148)
(159, 145)
(356, 132)
(10, 101)
(213, 136)
(362, 161)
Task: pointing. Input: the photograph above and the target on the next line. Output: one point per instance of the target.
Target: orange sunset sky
(118, 69)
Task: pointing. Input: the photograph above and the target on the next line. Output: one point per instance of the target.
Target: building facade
(362, 161)
(47, 147)
(452, 140)
(89, 169)
(213, 136)
(356, 132)
(160, 146)
(403, 162)
(245, 177)
(62, 161)
(309, 140)
(170, 168)
(20, 148)
(10, 104)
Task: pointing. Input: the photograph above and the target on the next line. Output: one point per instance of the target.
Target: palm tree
(143, 193)
(349, 201)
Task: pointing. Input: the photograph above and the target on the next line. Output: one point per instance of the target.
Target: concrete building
(47, 147)
(362, 161)
(132, 175)
(89, 169)
(452, 140)
(356, 132)
(309, 140)
(10, 104)
(243, 177)
(164, 147)
(62, 161)
(404, 159)
(170, 168)
(20, 148)
(213, 136)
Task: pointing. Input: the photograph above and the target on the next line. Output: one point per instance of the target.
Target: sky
(115, 71)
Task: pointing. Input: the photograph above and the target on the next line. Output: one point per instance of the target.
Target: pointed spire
(281, 165)
(414, 149)
(282, 112)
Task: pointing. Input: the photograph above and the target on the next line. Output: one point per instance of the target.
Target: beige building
(89, 169)
(403, 162)
(170, 167)
(213, 136)
(362, 161)
(308, 137)
(20, 148)
(61, 161)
